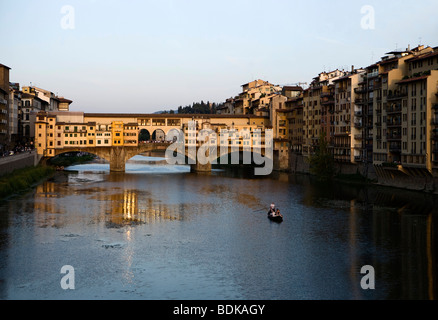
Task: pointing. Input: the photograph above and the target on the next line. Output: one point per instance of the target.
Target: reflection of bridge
(115, 137)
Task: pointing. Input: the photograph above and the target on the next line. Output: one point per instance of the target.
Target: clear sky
(146, 56)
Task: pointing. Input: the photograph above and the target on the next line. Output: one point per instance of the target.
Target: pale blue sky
(145, 56)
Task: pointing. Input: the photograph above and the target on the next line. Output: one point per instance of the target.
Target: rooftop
(3, 66)
(413, 79)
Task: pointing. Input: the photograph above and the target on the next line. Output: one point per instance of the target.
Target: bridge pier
(200, 168)
(117, 159)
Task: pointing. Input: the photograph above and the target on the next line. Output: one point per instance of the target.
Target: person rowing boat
(274, 214)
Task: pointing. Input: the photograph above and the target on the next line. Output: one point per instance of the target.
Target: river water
(159, 232)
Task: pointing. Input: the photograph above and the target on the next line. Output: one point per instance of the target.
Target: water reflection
(117, 206)
(401, 226)
(159, 228)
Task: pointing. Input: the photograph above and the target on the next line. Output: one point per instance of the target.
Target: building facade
(4, 107)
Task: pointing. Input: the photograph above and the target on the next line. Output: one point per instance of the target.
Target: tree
(321, 162)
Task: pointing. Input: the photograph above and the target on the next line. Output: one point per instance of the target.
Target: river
(159, 232)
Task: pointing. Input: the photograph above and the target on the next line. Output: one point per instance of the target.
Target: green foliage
(321, 162)
(198, 108)
(22, 179)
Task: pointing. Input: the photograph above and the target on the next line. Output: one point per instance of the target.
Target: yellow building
(117, 132)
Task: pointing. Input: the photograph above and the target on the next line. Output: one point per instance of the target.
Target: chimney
(352, 69)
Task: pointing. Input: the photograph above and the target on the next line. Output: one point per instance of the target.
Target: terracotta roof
(64, 100)
(424, 56)
(294, 88)
(388, 61)
(413, 79)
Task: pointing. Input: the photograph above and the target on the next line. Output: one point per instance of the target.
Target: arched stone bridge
(118, 156)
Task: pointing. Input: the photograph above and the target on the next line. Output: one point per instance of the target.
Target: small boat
(278, 219)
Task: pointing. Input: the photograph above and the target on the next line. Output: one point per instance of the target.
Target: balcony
(358, 137)
(358, 113)
(328, 102)
(3, 101)
(395, 149)
(434, 122)
(392, 137)
(358, 125)
(394, 109)
(360, 101)
(360, 90)
(327, 94)
(393, 123)
(396, 96)
(372, 74)
(342, 134)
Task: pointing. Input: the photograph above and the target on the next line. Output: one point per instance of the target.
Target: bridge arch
(154, 129)
(144, 135)
(94, 151)
(158, 135)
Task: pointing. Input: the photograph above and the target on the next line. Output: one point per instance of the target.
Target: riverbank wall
(415, 179)
(18, 161)
(300, 164)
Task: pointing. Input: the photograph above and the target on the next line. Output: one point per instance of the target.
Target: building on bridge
(116, 137)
